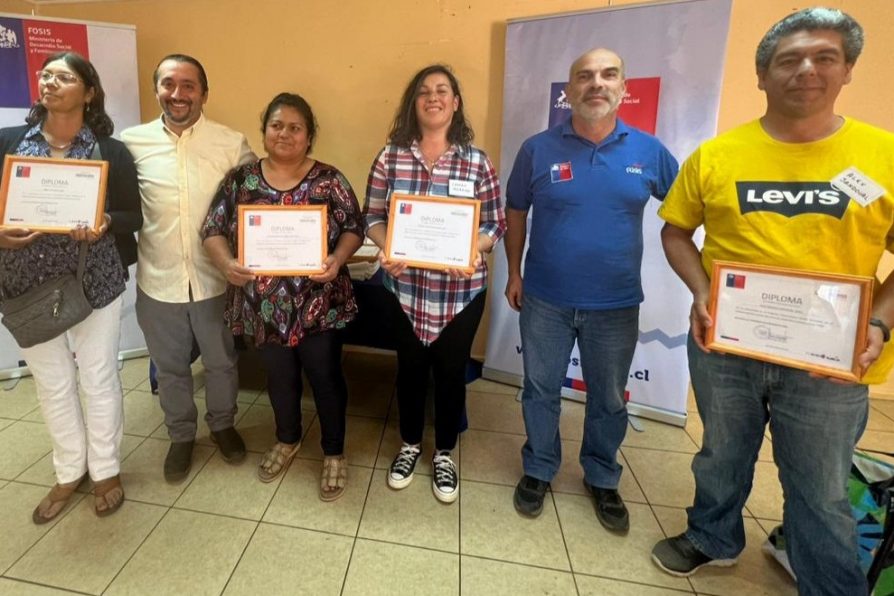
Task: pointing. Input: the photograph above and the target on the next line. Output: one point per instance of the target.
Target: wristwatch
(886, 331)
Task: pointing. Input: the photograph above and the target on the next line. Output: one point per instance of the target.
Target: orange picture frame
(791, 317)
(266, 222)
(444, 207)
(44, 182)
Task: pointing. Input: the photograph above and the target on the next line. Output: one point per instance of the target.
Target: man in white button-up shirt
(181, 158)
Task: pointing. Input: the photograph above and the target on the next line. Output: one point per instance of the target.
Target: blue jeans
(607, 340)
(816, 425)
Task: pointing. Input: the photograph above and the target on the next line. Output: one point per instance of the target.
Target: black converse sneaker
(401, 473)
(444, 482)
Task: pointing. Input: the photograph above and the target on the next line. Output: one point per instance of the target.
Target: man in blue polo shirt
(588, 181)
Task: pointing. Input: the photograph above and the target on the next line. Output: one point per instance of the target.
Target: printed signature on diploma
(768, 333)
(46, 209)
(425, 246)
(280, 255)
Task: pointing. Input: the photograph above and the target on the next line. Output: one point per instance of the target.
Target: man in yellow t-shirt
(768, 193)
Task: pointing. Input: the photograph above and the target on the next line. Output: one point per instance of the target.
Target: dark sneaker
(232, 448)
(678, 556)
(444, 481)
(610, 509)
(178, 461)
(401, 473)
(529, 494)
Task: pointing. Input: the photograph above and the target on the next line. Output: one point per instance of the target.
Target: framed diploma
(52, 195)
(283, 240)
(803, 319)
(433, 232)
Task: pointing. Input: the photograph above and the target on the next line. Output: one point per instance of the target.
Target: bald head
(595, 87)
(597, 54)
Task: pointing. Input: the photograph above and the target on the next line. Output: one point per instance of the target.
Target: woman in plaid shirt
(435, 314)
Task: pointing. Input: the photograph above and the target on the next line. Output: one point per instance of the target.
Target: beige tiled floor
(223, 532)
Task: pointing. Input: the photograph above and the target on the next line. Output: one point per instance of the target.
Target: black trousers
(446, 358)
(320, 357)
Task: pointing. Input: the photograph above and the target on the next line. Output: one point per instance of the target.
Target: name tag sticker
(561, 172)
(858, 186)
(461, 188)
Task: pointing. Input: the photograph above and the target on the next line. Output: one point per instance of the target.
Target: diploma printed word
(781, 298)
(430, 220)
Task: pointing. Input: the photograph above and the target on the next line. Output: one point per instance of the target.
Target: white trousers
(82, 442)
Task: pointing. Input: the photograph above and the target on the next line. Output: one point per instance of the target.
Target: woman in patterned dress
(294, 322)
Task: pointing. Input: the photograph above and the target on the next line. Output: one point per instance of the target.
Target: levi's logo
(791, 198)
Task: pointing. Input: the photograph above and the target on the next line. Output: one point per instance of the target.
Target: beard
(599, 110)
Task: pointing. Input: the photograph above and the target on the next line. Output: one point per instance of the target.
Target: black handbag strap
(82, 260)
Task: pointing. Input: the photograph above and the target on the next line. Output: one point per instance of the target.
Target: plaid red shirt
(431, 298)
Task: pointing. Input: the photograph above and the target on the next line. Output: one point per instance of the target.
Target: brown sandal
(275, 460)
(108, 496)
(55, 501)
(334, 477)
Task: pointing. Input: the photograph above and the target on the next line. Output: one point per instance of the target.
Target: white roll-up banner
(673, 55)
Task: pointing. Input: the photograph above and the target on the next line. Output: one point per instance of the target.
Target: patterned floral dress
(283, 310)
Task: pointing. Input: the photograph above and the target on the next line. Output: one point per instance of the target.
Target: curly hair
(405, 128)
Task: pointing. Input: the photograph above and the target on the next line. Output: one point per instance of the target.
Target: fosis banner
(673, 55)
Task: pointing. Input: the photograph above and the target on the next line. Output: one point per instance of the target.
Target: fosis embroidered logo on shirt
(635, 169)
(791, 198)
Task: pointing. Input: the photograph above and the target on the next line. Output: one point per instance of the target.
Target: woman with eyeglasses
(69, 121)
(435, 314)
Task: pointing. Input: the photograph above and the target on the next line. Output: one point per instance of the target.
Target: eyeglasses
(62, 78)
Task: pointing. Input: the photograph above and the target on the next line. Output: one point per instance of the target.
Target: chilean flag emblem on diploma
(406, 208)
(560, 172)
(735, 281)
(254, 220)
(23, 171)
